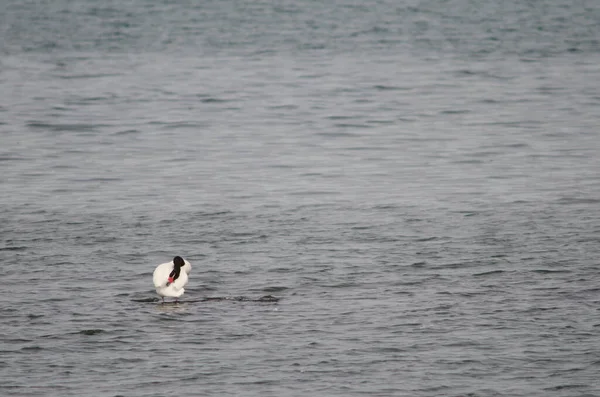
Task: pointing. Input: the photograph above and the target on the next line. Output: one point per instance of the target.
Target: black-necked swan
(169, 279)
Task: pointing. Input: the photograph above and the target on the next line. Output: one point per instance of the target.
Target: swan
(169, 279)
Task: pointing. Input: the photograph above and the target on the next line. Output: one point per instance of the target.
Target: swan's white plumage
(161, 276)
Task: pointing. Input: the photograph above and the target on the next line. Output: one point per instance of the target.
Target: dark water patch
(341, 117)
(487, 153)
(352, 126)
(265, 298)
(77, 151)
(590, 290)
(145, 300)
(129, 360)
(578, 200)
(490, 101)
(507, 176)
(455, 111)
(381, 122)
(52, 336)
(260, 382)
(551, 271)
(369, 148)
(509, 124)
(314, 193)
(212, 100)
(347, 284)
(84, 100)
(540, 309)
(127, 132)
(283, 107)
(466, 72)
(518, 145)
(12, 158)
(183, 301)
(31, 348)
(489, 273)
(281, 270)
(62, 108)
(97, 179)
(427, 239)
(386, 207)
(91, 331)
(245, 235)
(64, 167)
(275, 289)
(11, 340)
(362, 227)
(391, 88)
(65, 127)
(19, 248)
(550, 90)
(182, 125)
(34, 174)
(458, 265)
(566, 387)
(337, 134)
(87, 76)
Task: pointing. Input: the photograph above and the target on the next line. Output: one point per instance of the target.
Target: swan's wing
(161, 274)
(187, 267)
(181, 281)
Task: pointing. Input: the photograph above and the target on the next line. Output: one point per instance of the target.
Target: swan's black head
(178, 262)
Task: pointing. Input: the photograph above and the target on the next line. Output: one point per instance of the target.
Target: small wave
(490, 273)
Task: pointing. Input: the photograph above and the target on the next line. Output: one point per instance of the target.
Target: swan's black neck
(175, 272)
(178, 262)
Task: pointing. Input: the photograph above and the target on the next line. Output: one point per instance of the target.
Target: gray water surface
(416, 181)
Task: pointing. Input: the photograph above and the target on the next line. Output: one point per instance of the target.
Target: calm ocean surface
(418, 182)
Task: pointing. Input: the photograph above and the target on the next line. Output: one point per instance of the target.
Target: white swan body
(161, 278)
